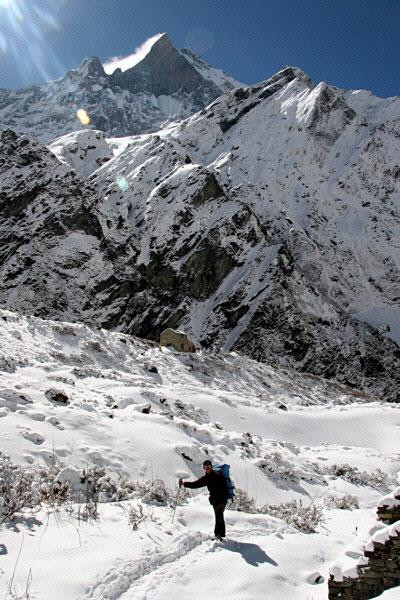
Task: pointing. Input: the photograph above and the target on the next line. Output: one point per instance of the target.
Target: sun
(24, 28)
(7, 3)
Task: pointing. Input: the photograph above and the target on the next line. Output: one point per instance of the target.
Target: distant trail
(118, 580)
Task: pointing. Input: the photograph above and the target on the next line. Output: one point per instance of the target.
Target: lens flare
(25, 25)
(83, 116)
(122, 183)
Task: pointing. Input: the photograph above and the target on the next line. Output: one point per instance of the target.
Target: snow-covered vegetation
(97, 427)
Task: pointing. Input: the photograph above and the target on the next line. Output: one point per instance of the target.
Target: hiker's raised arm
(202, 482)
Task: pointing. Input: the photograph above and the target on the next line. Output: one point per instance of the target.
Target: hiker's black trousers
(219, 519)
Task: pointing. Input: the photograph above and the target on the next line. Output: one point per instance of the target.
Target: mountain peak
(163, 71)
(163, 40)
(92, 67)
(123, 63)
(127, 95)
(292, 72)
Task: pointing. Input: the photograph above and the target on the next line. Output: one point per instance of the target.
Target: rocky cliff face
(164, 71)
(51, 236)
(267, 222)
(164, 86)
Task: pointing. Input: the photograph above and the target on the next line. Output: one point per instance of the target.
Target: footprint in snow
(36, 416)
(130, 575)
(55, 422)
(33, 436)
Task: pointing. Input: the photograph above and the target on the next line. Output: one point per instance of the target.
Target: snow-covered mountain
(167, 84)
(267, 222)
(87, 397)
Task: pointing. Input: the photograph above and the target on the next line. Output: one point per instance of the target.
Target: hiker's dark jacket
(216, 485)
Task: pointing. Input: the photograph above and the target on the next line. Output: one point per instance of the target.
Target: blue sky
(349, 43)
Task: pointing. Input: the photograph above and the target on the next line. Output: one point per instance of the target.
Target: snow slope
(217, 76)
(290, 189)
(85, 150)
(280, 431)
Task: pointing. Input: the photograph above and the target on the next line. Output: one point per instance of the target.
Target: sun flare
(24, 26)
(6, 3)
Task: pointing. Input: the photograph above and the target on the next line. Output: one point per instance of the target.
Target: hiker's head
(207, 466)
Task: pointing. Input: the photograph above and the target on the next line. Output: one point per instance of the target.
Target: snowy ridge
(157, 85)
(292, 165)
(85, 150)
(116, 367)
(217, 76)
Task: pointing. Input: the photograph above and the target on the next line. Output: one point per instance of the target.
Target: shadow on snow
(252, 554)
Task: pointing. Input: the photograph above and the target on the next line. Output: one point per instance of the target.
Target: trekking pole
(176, 503)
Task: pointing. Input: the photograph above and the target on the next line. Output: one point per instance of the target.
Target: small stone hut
(177, 339)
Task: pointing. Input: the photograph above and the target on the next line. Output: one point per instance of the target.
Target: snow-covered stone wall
(373, 573)
(389, 507)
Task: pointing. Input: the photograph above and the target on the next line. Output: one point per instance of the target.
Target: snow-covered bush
(346, 502)
(152, 491)
(305, 518)
(377, 478)
(28, 487)
(110, 489)
(242, 502)
(136, 515)
(31, 487)
(274, 463)
(190, 412)
(88, 510)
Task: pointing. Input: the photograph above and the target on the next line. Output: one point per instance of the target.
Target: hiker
(217, 486)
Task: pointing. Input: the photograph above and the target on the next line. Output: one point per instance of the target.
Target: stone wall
(390, 512)
(381, 573)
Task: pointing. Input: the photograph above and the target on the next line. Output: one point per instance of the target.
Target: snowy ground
(228, 408)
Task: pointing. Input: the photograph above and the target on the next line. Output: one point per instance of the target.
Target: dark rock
(57, 396)
(210, 191)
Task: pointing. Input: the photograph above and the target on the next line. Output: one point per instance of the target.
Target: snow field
(104, 560)
(281, 432)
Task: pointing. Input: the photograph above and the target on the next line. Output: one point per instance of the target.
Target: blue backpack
(224, 470)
